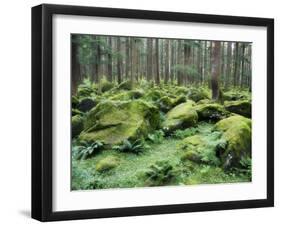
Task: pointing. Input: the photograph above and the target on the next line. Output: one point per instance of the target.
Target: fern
(88, 150)
(156, 137)
(136, 147)
(159, 173)
(180, 134)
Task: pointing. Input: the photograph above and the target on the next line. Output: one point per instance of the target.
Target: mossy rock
(238, 134)
(179, 100)
(154, 95)
(128, 95)
(233, 95)
(86, 104)
(197, 94)
(179, 90)
(241, 107)
(212, 111)
(203, 148)
(165, 103)
(105, 85)
(76, 125)
(205, 101)
(126, 85)
(181, 116)
(111, 122)
(107, 163)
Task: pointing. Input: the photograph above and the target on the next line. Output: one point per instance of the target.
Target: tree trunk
(157, 74)
(228, 64)
(149, 59)
(119, 60)
(215, 71)
(167, 47)
(236, 65)
(109, 60)
(75, 65)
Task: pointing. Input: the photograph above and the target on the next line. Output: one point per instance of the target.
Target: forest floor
(131, 170)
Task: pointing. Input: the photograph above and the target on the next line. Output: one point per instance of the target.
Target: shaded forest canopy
(182, 62)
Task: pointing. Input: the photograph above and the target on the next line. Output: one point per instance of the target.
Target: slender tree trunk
(109, 60)
(119, 60)
(179, 70)
(75, 65)
(149, 59)
(228, 64)
(167, 47)
(236, 65)
(242, 66)
(215, 70)
(157, 74)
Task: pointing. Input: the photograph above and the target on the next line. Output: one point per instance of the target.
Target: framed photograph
(145, 112)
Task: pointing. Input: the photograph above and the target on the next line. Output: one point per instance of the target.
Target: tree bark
(75, 65)
(215, 70)
(157, 74)
(167, 48)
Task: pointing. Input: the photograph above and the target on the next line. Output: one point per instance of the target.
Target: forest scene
(159, 112)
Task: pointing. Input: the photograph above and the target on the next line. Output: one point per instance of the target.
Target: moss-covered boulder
(203, 148)
(179, 100)
(238, 134)
(105, 85)
(165, 103)
(76, 125)
(181, 116)
(154, 95)
(211, 111)
(107, 163)
(197, 94)
(86, 104)
(111, 122)
(126, 85)
(241, 107)
(179, 90)
(128, 95)
(233, 95)
(206, 101)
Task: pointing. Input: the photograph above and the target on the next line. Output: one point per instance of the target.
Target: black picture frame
(42, 111)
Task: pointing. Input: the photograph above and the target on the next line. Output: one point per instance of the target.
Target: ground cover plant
(158, 112)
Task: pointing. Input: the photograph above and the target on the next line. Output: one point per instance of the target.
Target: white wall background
(15, 102)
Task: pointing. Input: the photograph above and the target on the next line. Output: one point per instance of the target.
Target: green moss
(179, 90)
(107, 163)
(181, 116)
(112, 122)
(76, 125)
(105, 85)
(154, 95)
(233, 95)
(126, 85)
(165, 103)
(197, 94)
(237, 132)
(205, 101)
(179, 100)
(127, 95)
(203, 149)
(211, 111)
(241, 107)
